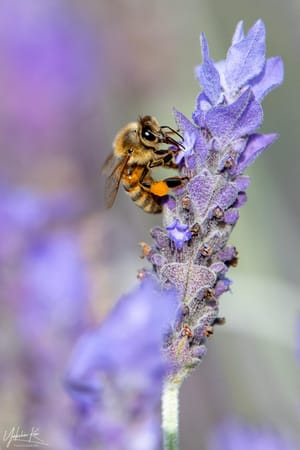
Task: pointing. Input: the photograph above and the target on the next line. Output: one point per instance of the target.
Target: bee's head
(152, 134)
(148, 130)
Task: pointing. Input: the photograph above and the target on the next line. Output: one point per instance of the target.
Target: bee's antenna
(173, 131)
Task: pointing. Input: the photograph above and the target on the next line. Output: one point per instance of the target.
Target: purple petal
(231, 216)
(227, 253)
(256, 144)
(202, 106)
(199, 352)
(170, 204)
(245, 60)
(235, 120)
(207, 74)
(219, 267)
(160, 237)
(187, 153)
(270, 78)
(242, 182)
(201, 149)
(127, 342)
(201, 189)
(241, 200)
(178, 233)
(157, 259)
(221, 68)
(222, 286)
(183, 123)
(226, 196)
(188, 279)
(239, 34)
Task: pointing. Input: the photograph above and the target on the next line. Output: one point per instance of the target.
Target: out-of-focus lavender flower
(51, 84)
(233, 435)
(46, 57)
(191, 253)
(44, 294)
(116, 372)
(54, 287)
(26, 214)
(49, 300)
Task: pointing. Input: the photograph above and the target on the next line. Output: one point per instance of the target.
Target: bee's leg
(158, 188)
(171, 164)
(161, 161)
(173, 182)
(146, 185)
(166, 161)
(161, 188)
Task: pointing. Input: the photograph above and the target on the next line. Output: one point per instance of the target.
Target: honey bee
(136, 150)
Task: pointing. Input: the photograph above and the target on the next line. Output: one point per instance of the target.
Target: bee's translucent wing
(109, 164)
(115, 168)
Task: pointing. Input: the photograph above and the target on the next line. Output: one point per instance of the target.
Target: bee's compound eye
(147, 134)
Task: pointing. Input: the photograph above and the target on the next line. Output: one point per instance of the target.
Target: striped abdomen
(146, 200)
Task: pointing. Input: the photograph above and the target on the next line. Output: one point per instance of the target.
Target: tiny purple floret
(179, 233)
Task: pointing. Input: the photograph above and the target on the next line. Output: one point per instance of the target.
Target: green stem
(170, 415)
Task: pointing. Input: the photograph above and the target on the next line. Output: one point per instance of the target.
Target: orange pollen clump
(159, 188)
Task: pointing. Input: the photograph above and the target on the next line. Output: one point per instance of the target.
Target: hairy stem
(170, 415)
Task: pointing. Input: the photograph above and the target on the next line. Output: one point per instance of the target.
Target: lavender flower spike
(190, 252)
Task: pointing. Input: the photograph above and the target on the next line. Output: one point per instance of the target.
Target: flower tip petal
(175, 111)
(207, 74)
(204, 46)
(278, 62)
(259, 24)
(246, 58)
(258, 28)
(239, 34)
(269, 79)
(256, 144)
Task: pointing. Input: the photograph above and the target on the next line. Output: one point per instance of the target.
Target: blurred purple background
(73, 73)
